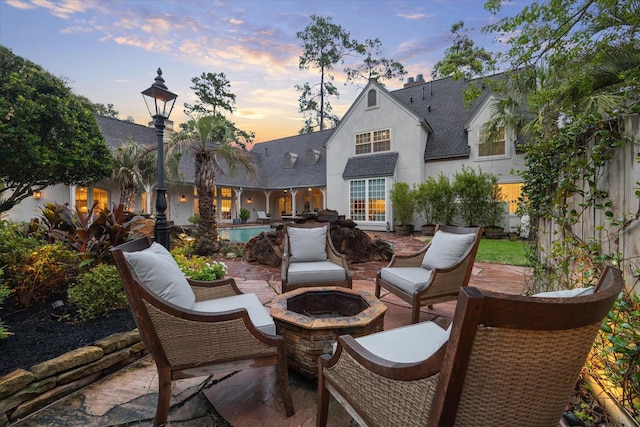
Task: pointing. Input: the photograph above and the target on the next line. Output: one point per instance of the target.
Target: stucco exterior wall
(408, 138)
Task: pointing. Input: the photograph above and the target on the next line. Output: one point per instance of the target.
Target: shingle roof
(269, 159)
(116, 132)
(440, 102)
(371, 165)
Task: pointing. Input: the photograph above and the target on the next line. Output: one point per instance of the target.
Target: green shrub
(97, 292)
(4, 292)
(200, 268)
(43, 274)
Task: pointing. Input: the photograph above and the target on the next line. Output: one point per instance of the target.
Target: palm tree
(215, 142)
(133, 165)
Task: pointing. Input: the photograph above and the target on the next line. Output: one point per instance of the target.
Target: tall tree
(464, 60)
(47, 136)
(133, 166)
(374, 66)
(216, 144)
(324, 44)
(214, 95)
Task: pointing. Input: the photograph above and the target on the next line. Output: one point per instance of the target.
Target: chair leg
(323, 401)
(285, 390)
(377, 289)
(415, 313)
(164, 397)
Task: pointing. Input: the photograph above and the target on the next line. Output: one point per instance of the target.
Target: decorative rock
(230, 255)
(99, 365)
(44, 399)
(355, 244)
(117, 341)
(328, 215)
(67, 361)
(29, 392)
(265, 249)
(14, 381)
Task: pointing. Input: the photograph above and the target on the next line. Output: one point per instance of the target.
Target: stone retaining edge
(23, 392)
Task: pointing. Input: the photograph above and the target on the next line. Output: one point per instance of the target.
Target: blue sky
(109, 50)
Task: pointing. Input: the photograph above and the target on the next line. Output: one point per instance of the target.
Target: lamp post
(162, 101)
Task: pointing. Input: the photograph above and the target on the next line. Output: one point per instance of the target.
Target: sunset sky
(109, 50)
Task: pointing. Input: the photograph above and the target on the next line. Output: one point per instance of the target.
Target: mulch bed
(40, 333)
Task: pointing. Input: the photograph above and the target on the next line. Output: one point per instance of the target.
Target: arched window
(372, 98)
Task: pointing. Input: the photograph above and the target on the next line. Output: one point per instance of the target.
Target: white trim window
(367, 200)
(373, 142)
(493, 148)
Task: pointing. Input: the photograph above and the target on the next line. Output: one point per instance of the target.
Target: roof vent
(410, 80)
(419, 78)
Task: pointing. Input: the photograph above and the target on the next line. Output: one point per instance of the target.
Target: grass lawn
(503, 251)
(500, 251)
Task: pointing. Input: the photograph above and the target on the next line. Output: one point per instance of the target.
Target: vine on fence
(561, 185)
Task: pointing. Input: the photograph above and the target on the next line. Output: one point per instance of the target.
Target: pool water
(241, 234)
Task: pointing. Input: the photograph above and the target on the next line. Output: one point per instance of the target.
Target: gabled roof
(381, 89)
(440, 103)
(117, 132)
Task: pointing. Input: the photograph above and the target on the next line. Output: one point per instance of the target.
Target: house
(405, 135)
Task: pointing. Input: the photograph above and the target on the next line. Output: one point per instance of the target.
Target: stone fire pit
(311, 319)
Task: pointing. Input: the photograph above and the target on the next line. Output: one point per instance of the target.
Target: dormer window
(290, 160)
(312, 157)
(372, 98)
(492, 145)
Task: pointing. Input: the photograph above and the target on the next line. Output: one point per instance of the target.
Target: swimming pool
(241, 234)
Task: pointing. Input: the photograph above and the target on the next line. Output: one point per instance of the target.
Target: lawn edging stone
(23, 392)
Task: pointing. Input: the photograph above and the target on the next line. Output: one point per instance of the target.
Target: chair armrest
(408, 260)
(284, 266)
(170, 321)
(216, 289)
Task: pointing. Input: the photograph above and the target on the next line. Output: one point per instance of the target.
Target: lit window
(373, 142)
(367, 200)
(86, 197)
(511, 193)
(492, 148)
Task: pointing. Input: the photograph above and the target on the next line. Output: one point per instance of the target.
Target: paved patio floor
(251, 397)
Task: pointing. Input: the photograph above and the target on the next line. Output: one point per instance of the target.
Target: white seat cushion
(258, 314)
(446, 249)
(567, 293)
(407, 344)
(159, 272)
(409, 279)
(307, 244)
(311, 272)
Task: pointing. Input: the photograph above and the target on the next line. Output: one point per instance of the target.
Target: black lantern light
(162, 101)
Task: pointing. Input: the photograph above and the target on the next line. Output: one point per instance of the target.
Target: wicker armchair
(510, 360)
(310, 259)
(435, 273)
(195, 328)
